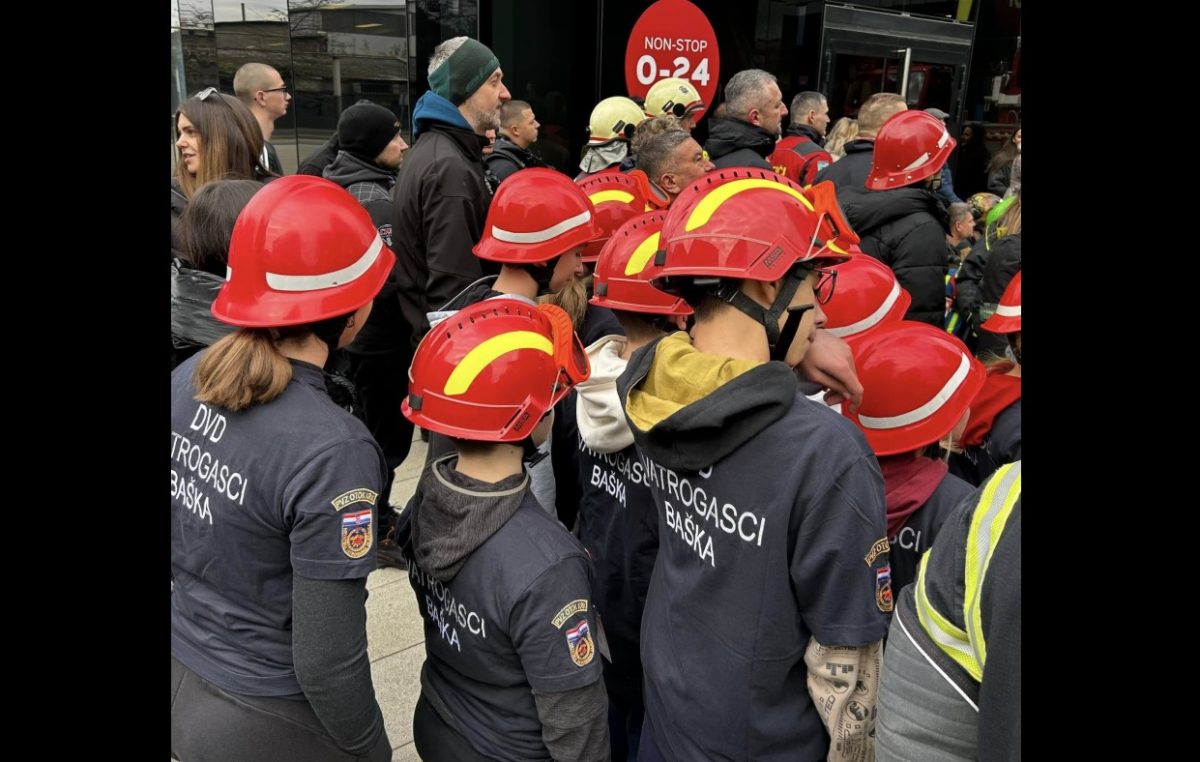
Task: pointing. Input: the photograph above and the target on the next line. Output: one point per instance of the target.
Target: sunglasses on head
(206, 93)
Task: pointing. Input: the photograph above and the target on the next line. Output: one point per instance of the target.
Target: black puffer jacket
(852, 169)
(905, 229)
(179, 202)
(734, 143)
(193, 326)
(441, 204)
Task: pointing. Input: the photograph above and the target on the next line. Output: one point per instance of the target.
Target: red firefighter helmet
(303, 250)
(491, 371)
(626, 266)
(1007, 317)
(536, 215)
(910, 146)
(616, 198)
(867, 296)
(917, 382)
(750, 223)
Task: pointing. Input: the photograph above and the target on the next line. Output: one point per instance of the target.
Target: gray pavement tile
(402, 490)
(397, 688)
(405, 753)
(393, 621)
(385, 576)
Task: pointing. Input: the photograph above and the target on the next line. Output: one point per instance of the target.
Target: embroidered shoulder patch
(361, 495)
(356, 534)
(883, 588)
(566, 612)
(579, 642)
(881, 546)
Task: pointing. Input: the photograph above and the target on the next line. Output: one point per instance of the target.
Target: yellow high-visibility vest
(967, 647)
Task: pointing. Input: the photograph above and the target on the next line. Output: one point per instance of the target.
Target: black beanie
(365, 129)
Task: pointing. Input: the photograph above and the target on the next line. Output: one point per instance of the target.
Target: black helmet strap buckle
(779, 340)
(542, 273)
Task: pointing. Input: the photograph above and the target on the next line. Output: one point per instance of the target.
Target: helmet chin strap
(542, 274)
(779, 340)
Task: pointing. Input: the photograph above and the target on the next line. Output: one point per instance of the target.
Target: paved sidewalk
(395, 633)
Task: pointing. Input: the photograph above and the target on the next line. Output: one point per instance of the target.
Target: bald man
(261, 88)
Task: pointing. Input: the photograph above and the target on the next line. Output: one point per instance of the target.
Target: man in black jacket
(853, 168)
(518, 131)
(371, 150)
(754, 116)
(901, 221)
(441, 197)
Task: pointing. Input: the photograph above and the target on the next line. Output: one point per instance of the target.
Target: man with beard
(441, 196)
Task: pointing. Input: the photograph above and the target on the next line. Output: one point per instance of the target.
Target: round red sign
(673, 38)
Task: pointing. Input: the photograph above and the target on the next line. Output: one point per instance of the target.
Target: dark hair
(207, 223)
(1006, 154)
(510, 112)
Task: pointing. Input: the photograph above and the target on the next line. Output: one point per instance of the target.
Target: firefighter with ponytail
(274, 495)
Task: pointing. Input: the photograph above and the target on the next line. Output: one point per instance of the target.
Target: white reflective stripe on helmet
(920, 161)
(944, 139)
(282, 282)
(540, 236)
(870, 321)
(929, 408)
(1005, 310)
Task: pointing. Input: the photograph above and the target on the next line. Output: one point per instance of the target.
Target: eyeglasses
(280, 89)
(206, 93)
(826, 282)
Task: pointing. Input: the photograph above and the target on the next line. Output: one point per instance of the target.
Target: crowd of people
(711, 427)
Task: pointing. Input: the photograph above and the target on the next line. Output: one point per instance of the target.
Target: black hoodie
(905, 228)
(771, 533)
(734, 143)
(386, 330)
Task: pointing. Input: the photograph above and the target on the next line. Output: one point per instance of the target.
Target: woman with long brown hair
(216, 138)
(274, 490)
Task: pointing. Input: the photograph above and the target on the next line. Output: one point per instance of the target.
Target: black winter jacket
(1001, 265)
(734, 143)
(905, 229)
(508, 157)
(441, 202)
(852, 169)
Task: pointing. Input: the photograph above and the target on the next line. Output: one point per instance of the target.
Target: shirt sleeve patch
(883, 588)
(566, 612)
(361, 495)
(579, 643)
(356, 533)
(881, 546)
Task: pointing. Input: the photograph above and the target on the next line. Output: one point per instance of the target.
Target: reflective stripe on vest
(967, 647)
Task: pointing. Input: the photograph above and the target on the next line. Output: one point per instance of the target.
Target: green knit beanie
(462, 74)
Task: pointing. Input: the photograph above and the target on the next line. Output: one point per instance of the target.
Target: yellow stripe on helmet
(710, 203)
(641, 255)
(604, 196)
(486, 353)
